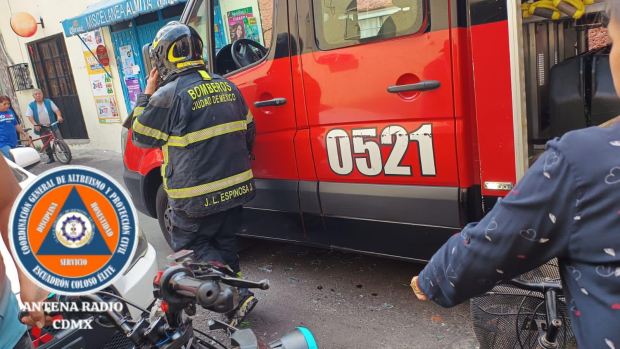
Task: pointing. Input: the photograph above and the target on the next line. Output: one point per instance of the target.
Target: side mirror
(146, 58)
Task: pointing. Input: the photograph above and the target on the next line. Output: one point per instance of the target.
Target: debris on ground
(319, 288)
(266, 268)
(359, 286)
(286, 270)
(436, 318)
(374, 294)
(388, 306)
(244, 324)
(295, 280)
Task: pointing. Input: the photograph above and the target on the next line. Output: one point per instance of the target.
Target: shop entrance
(52, 70)
(128, 38)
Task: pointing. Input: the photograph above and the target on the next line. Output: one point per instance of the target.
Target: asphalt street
(346, 300)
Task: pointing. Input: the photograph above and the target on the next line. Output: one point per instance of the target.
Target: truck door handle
(429, 85)
(276, 102)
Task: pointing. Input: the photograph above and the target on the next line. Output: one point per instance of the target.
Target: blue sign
(112, 11)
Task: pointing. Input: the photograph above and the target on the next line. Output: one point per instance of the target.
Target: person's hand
(416, 290)
(31, 293)
(152, 82)
(38, 128)
(60, 119)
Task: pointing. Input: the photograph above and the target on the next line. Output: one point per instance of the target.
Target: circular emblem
(73, 230)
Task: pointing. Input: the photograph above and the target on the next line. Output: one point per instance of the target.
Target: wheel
(163, 214)
(62, 151)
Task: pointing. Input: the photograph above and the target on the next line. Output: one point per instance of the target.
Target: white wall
(102, 136)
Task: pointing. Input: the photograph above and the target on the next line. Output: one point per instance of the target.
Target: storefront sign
(113, 12)
(23, 24)
(102, 54)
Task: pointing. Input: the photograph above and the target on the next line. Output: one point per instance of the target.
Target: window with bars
(20, 77)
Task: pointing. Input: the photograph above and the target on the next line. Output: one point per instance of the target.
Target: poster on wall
(243, 25)
(92, 39)
(92, 65)
(133, 90)
(107, 110)
(101, 85)
(127, 60)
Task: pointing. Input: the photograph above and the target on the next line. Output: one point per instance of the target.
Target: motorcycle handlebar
(178, 285)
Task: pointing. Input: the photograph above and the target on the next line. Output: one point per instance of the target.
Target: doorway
(54, 76)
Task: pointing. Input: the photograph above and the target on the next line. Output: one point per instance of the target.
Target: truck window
(248, 19)
(198, 20)
(234, 20)
(341, 23)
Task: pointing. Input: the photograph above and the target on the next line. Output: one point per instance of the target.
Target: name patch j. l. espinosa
(73, 230)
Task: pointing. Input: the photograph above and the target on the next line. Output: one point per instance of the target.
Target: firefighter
(206, 132)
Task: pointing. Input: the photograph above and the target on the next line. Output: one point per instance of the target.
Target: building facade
(94, 96)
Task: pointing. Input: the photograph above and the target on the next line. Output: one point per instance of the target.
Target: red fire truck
(386, 126)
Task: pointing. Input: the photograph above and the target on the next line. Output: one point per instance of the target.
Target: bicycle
(178, 289)
(60, 149)
(527, 312)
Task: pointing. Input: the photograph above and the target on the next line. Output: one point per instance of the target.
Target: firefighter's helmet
(176, 48)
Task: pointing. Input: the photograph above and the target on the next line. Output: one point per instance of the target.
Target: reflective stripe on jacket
(206, 132)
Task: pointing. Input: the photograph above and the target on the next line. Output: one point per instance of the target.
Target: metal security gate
(52, 70)
(127, 37)
(137, 33)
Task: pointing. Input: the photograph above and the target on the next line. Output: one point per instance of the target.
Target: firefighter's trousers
(212, 238)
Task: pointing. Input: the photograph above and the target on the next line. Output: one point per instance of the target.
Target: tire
(62, 151)
(163, 214)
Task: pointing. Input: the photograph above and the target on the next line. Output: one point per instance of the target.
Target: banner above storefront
(108, 12)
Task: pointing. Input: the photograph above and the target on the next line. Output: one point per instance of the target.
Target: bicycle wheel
(62, 151)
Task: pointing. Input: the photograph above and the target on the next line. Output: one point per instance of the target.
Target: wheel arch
(152, 181)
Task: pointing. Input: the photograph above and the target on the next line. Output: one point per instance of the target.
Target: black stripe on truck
(422, 205)
(487, 11)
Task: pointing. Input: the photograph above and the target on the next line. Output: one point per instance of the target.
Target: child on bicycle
(8, 126)
(567, 206)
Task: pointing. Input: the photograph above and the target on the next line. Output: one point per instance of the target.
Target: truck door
(256, 32)
(379, 98)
